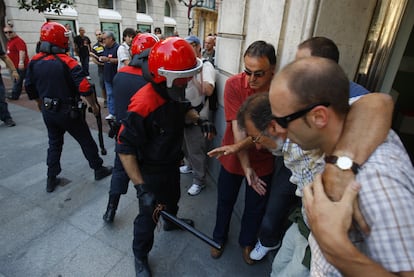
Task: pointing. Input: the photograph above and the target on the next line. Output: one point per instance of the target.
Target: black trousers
(57, 123)
(166, 187)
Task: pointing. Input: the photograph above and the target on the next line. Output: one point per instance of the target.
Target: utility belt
(75, 107)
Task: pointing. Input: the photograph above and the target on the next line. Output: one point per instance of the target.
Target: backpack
(213, 98)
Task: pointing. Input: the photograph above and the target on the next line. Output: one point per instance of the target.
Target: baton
(98, 122)
(190, 229)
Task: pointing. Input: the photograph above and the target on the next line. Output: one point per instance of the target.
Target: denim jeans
(110, 97)
(228, 187)
(282, 200)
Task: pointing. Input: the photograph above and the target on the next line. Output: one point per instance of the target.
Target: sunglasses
(8, 32)
(284, 120)
(257, 74)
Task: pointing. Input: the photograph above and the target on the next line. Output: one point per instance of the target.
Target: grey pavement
(63, 234)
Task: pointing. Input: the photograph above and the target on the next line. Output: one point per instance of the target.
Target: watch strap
(332, 159)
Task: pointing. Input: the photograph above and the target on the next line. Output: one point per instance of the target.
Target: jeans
(17, 85)
(282, 200)
(228, 187)
(110, 97)
(288, 261)
(4, 111)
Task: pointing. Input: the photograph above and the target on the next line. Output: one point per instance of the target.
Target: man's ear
(319, 116)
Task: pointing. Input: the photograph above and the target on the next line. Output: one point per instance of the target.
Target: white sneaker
(110, 117)
(185, 169)
(88, 77)
(195, 189)
(260, 251)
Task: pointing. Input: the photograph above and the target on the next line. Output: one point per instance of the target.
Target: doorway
(387, 63)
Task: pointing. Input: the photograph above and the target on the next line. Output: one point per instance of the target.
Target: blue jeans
(4, 111)
(282, 200)
(228, 187)
(110, 97)
(17, 85)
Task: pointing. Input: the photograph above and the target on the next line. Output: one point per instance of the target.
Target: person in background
(57, 82)
(97, 51)
(123, 53)
(209, 52)
(4, 111)
(158, 32)
(110, 60)
(82, 50)
(195, 142)
(17, 52)
(71, 40)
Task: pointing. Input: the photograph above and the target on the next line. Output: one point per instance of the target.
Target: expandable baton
(190, 229)
(98, 121)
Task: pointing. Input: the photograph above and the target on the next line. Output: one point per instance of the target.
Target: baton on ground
(190, 229)
(98, 122)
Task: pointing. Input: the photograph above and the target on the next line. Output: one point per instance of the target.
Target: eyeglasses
(257, 74)
(256, 139)
(8, 32)
(284, 120)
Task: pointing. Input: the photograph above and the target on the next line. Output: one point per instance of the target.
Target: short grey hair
(110, 34)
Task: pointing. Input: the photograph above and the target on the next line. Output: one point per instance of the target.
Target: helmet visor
(171, 75)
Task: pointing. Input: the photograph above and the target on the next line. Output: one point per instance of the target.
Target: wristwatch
(343, 163)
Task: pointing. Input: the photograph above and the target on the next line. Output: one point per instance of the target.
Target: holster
(78, 110)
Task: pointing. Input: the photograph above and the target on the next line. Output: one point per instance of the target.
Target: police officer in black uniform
(151, 137)
(126, 83)
(56, 82)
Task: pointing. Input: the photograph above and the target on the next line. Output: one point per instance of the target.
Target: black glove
(206, 126)
(146, 198)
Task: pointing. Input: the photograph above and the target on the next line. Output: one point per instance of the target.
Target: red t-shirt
(235, 93)
(15, 45)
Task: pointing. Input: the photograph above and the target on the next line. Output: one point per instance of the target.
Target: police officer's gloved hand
(146, 199)
(207, 128)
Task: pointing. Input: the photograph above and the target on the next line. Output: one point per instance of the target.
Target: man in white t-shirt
(195, 142)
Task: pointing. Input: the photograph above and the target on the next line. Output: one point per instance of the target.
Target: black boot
(169, 226)
(52, 182)
(142, 268)
(113, 201)
(102, 172)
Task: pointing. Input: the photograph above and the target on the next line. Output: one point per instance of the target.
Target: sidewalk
(63, 234)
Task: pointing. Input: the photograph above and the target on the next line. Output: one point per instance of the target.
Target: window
(167, 9)
(141, 6)
(106, 4)
(144, 28)
(111, 26)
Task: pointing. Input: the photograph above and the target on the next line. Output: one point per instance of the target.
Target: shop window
(145, 28)
(111, 26)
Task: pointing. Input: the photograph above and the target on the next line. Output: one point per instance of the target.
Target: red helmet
(171, 59)
(55, 33)
(142, 42)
